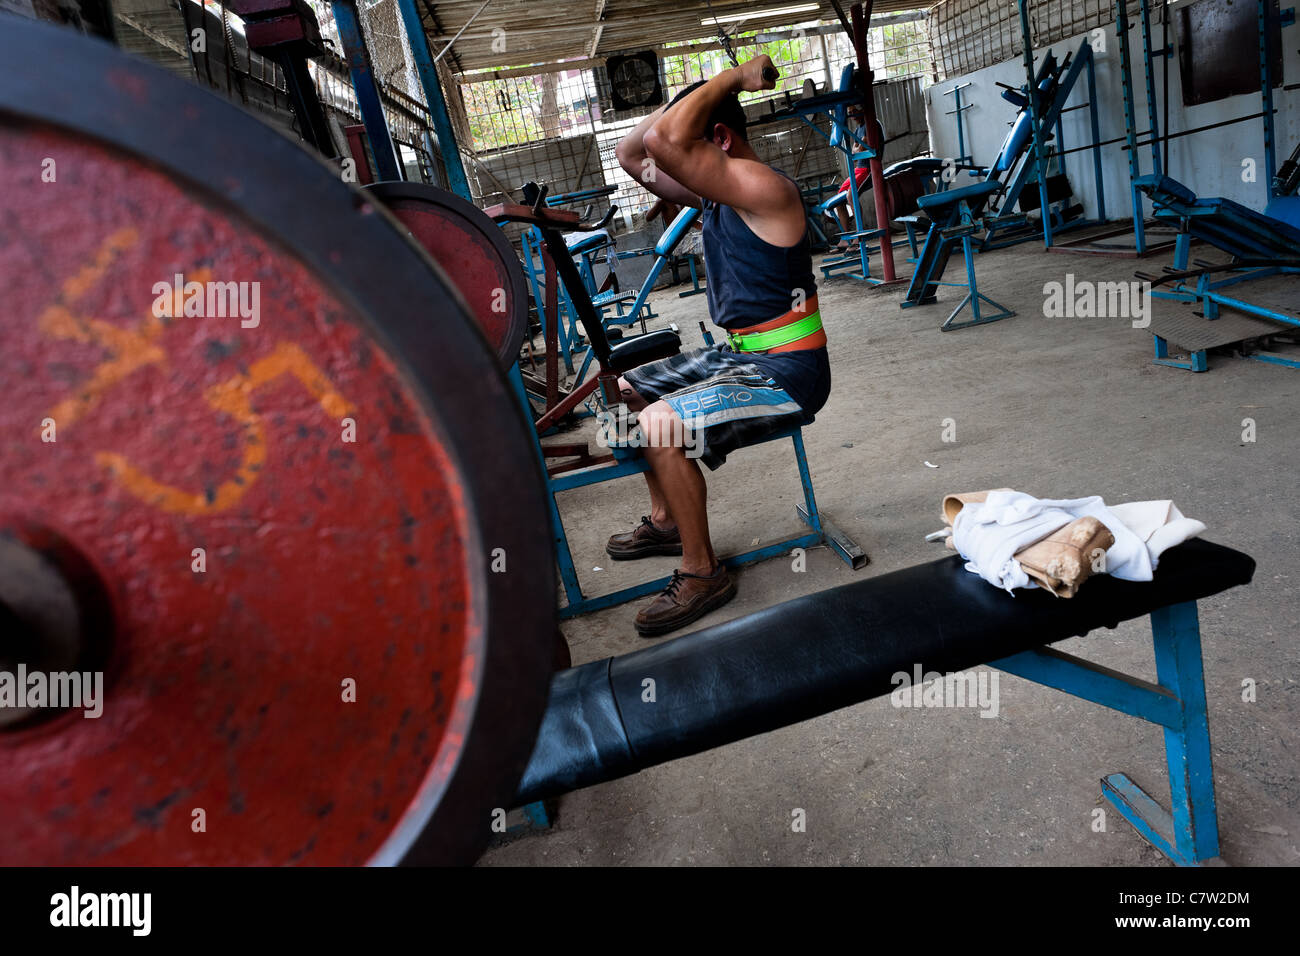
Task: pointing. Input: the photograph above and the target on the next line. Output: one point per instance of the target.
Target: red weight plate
(282, 502)
(473, 252)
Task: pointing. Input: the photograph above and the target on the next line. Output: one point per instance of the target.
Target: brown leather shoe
(687, 598)
(644, 541)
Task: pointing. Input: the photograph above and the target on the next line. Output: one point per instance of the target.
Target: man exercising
(771, 375)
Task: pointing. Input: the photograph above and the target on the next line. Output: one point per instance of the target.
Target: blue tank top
(751, 281)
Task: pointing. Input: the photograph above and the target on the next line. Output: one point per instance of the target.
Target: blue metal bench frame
(1189, 835)
(1239, 231)
(820, 529)
(955, 215)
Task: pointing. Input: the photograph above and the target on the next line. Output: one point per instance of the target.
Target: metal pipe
(366, 86)
(1150, 81)
(1130, 124)
(861, 16)
(444, 50)
(1266, 94)
(426, 67)
(1039, 147)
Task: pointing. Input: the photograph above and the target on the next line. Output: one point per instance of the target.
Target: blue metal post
(1035, 125)
(1130, 124)
(1148, 76)
(1177, 635)
(563, 555)
(958, 109)
(428, 71)
(811, 517)
(1266, 94)
(1096, 136)
(367, 90)
(864, 257)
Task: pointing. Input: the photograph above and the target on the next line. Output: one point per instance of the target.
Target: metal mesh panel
(519, 123)
(403, 96)
(968, 35)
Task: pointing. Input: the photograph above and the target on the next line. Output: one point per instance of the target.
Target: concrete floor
(1053, 406)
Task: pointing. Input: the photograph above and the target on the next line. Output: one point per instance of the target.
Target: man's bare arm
(632, 156)
(677, 144)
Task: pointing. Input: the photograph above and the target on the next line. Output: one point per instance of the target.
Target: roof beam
(600, 28)
(437, 25)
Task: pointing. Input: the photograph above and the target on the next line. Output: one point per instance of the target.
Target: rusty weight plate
(474, 253)
(299, 494)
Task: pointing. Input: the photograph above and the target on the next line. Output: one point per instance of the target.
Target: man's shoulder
(779, 179)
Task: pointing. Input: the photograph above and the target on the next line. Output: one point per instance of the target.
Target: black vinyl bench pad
(825, 651)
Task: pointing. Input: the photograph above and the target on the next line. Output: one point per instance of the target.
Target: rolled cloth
(994, 532)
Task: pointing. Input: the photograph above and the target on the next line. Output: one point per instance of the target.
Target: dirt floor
(1058, 407)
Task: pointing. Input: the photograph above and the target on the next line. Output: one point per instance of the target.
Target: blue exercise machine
(866, 145)
(1024, 161)
(663, 253)
(1043, 165)
(854, 145)
(1260, 244)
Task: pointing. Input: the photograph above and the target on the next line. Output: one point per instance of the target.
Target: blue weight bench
(955, 216)
(819, 653)
(820, 529)
(1260, 244)
(954, 220)
(856, 149)
(1236, 229)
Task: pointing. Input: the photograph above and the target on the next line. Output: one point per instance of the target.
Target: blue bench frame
(626, 463)
(1188, 834)
(1237, 230)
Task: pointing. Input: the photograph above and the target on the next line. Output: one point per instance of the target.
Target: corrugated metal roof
(512, 33)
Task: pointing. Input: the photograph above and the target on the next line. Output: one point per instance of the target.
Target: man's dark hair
(729, 112)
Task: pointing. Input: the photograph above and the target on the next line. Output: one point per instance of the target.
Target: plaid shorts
(725, 402)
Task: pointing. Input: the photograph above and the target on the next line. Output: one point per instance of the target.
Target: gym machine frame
(1283, 255)
(856, 92)
(623, 461)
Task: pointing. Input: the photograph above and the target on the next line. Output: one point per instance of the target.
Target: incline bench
(1261, 245)
(816, 654)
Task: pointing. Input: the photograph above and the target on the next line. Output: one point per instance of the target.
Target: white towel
(989, 534)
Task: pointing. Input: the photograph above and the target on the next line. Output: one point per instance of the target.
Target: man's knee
(662, 428)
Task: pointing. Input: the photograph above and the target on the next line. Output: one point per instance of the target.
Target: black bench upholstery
(651, 347)
(825, 651)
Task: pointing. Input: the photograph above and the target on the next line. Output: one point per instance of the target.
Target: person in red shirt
(861, 175)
